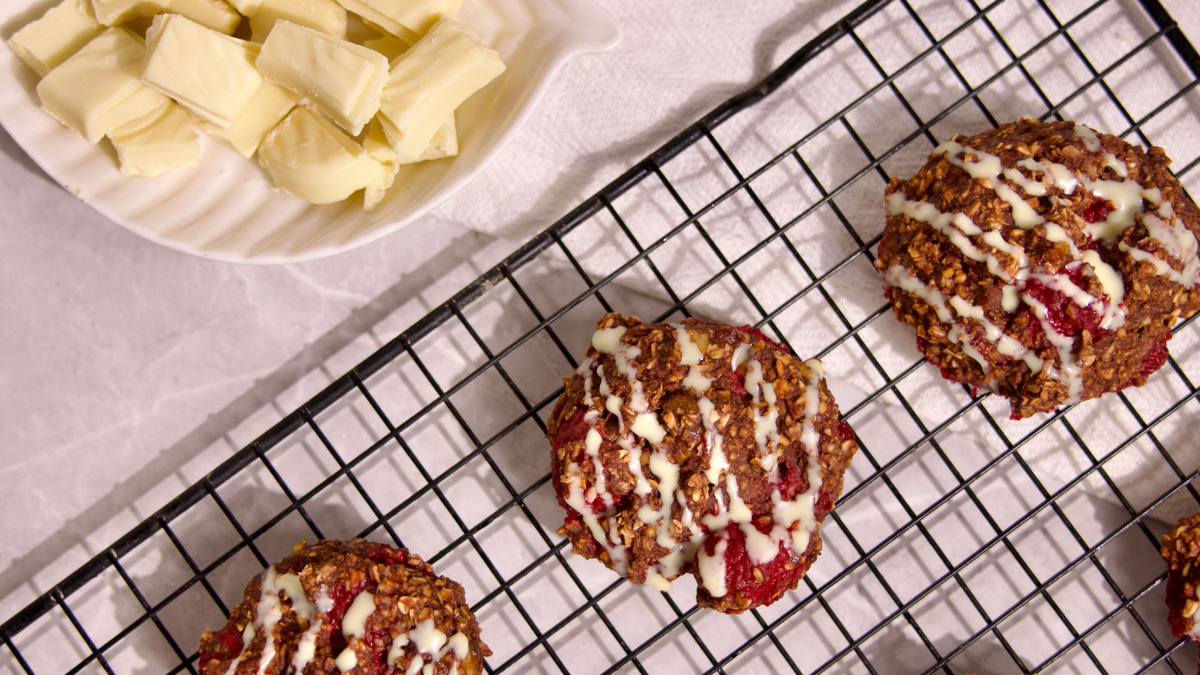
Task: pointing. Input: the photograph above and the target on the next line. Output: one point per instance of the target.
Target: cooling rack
(963, 542)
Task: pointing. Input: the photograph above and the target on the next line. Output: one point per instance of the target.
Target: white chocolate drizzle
(346, 661)
(1068, 371)
(946, 311)
(307, 644)
(608, 340)
(1127, 200)
(793, 521)
(959, 229)
(1059, 176)
(354, 623)
(1090, 140)
(1125, 195)
(269, 611)
(428, 643)
(1172, 237)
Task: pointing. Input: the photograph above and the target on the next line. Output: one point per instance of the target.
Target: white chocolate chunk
(376, 144)
(430, 80)
(271, 103)
(314, 160)
(247, 8)
(215, 14)
(167, 142)
(344, 79)
(209, 73)
(415, 15)
(59, 33)
(444, 142)
(389, 45)
(324, 15)
(394, 30)
(98, 88)
(113, 12)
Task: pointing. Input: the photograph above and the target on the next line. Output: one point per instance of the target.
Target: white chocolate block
(430, 80)
(113, 12)
(326, 16)
(388, 25)
(215, 14)
(98, 89)
(415, 15)
(314, 160)
(209, 73)
(270, 105)
(59, 33)
(167, 142)
(344, 79)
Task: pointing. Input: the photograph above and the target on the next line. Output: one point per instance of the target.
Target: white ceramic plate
(226, 209)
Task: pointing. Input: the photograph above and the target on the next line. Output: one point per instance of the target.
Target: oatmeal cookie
(1042, 261)
(1181, 550)
(697, 448)
(349, 606)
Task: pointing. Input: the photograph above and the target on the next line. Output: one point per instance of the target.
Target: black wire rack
(964, 541)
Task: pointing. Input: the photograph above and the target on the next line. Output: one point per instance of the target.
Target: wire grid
(963, 542)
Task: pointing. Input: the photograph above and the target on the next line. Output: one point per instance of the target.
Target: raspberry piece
(845, 432)
(386, 555)
(341, 596)
(1097, 210)
(573, 430)
(229, 645)
(754, 332)
(1176, 599)
(792, 480)
(774, 578)
(1155, 359)
(737, 384)
(1065, 316)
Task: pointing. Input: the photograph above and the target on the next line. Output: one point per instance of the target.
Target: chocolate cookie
(1042, 261)
(698, 448)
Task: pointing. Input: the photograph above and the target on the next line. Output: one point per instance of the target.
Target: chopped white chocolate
(444, 142)
(209, 73)
(430, 80)
(98, 89)
(389, 45)
(392, 28)
(326, 16)
(59, 33)
(415, 15)
(376, 144)
(314, 160)
(114, 12)
(270, 105)
(167, 142)
(247, 8)
(215, 14)
(344, 79)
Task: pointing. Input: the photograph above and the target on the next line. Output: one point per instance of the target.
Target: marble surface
(131, 370)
